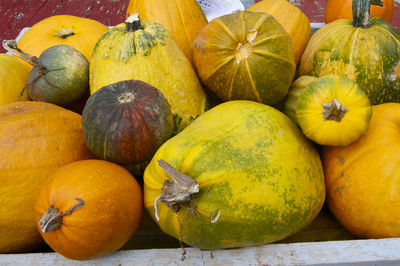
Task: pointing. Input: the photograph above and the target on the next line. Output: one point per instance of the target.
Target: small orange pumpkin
(88, 209)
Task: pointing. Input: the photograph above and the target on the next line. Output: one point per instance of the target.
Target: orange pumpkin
(342, 9)
(363, 178)
(88, 209)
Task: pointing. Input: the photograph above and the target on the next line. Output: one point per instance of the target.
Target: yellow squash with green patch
(246, 176)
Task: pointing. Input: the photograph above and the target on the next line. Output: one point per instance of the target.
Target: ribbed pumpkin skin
(35, 139)
(13, 76)
(111, 213)
(369, 56)
(295, 22)
(126, 122)
(183, 19)
(245, 56)
(363, 180)
(150, 55)
(342, 9)
(252, 164)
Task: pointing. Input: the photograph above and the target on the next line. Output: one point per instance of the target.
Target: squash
(144, 50)
(80, 33)
(332, 110)
(366, 51)
(13, 76)
(126, 122)
(183, 19)
(88, 209)
(293, 20)
(363, 180)
(36, 138)
(341, 9)
(245, 56)
(248, 176)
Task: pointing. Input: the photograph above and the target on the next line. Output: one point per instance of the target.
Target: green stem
(361, 12)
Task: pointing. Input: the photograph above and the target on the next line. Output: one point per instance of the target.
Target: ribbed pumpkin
(341, 9)
(36, 138)
(13, 76)
(144, 50)
(245, 56)
(291, 18)
(363, 179)
(80, 33)
(183, 19)
(88, 209)
(364, 51)
(126, 122)
(331, 110)
(251, 178)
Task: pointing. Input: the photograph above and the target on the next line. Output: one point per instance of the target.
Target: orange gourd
(363, 178)
(88, 209)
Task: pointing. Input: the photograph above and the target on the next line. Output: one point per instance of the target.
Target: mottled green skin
(253, 165)
(67, 71)
(369, 56)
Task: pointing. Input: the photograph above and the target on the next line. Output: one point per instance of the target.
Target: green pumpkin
(258, 178)
(366, 51)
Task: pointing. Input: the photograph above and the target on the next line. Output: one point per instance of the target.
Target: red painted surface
(17, 14)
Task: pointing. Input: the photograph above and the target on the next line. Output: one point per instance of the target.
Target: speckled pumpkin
(259, 179)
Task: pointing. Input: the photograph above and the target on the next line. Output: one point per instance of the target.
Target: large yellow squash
(36, 138)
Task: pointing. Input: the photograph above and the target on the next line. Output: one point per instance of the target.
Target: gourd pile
(229, 133)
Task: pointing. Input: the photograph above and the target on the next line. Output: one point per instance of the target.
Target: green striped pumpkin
(366, 51)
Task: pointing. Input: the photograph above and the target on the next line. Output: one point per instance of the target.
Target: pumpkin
(342, 9)
(126, 122)
(60, 76)
(331, 110)
(78, 32)
(183, 19)
(365, 51)
(36, 138)
(245, 56)
(88, 209)
(293, 20)
(144, 50)
(13, 76)
(242, 174)
(363, 181)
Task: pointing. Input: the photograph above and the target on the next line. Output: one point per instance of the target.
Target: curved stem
(11, 46)
(361, 12)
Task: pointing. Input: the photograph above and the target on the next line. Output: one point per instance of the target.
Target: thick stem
(52, 218)
(133, 23)
(361, 12)
(334, 110)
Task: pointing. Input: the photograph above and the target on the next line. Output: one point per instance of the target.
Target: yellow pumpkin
(13, 77)
(80, 33)
(293, 20)
(183, 19)
(36, 138)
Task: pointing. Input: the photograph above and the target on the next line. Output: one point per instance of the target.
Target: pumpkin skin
(183, 19)
(245, 56)
(295, 22)
(80, 33)
(151, 55)
(342, 9)
(36, 138)
(368, 56)
(253, 166)
(126, 122)
(65, 79)
(13, 76)
(365, 196)
(111, 213)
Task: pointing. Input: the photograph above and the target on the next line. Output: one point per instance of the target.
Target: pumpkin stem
(52, 218)
(361, 12)
(177, 192)
(64, 33)
(334, 110)
(133, 23)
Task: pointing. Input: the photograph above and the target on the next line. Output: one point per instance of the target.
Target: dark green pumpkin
(61, 78)
(126, 122)
(366, 51)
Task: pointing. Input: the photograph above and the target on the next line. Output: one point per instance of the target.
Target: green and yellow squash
(248, 176)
